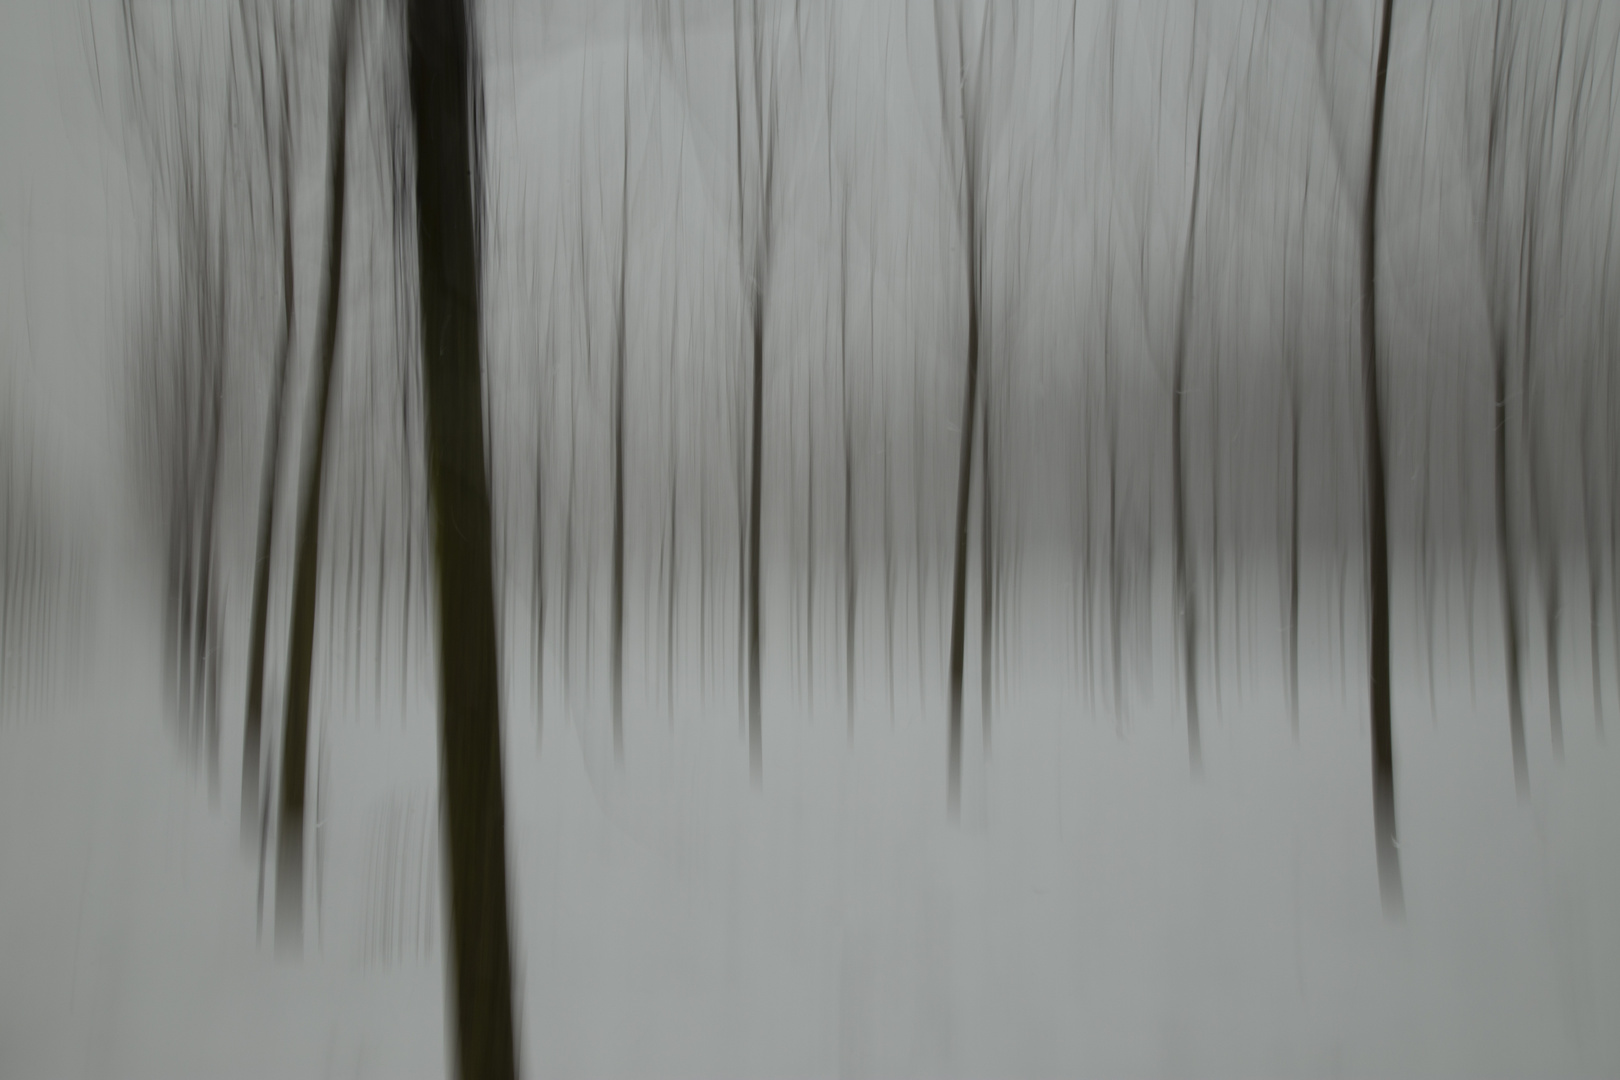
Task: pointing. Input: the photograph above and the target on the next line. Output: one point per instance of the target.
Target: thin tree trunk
(1186, 597)
(618, 438)
(538, 600)
(756, 759)
(1383, 750)
(1508, 570)
(301, 638)
(443, 74)
(970, 178)
(987, 572)
(1543, 535)
(849, 483)
(756, 262)
(964, 491)
(1293, 553)
(1594, 541)
(1116, 568)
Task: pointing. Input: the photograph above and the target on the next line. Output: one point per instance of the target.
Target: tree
(1383, 750)
(1374, 451)
(1493, 272)
(1185, 592)
(964, 152)
(754, 258)
(445, 109)
(846, 408)
(181, 358)
(306, 566)
(618, 429)
(282, 212)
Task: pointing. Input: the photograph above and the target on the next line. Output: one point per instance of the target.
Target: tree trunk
(301, 637)
(987, 572)
(443, 89)
(849, 476)
(1544, 538)
(271, 478)
(964, 491)
(1383, 750)
(756, 758)
(1186, 597)
(755, 261)
(1293, 549)
(618, 439)
(1508, 571)
(970, 406)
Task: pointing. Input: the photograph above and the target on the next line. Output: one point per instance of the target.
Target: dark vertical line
(1383, 750)
(444, 106)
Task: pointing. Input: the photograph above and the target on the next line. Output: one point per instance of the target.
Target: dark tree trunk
(969, 180)
(756, 262)
(1594, 541)
(1383, 749)
(849, 478)
(270, 481)
(756, 759)
(1186, 597)
(301, 636)
(1295, 379)
(445, 115)
(1544, 535)
(987, 571)
(964, 491)
(538, 601)
(1508, 571)
(1293, 550)
(674, 563)
(618, 438)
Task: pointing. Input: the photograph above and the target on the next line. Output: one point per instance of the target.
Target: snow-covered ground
(1096, 914)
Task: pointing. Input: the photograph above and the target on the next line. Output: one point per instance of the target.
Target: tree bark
(850, 568)
(301, 637)
(270, 481)
(618, 437)
(1186, 597)
(444, 115)
(970, 396)
(1383, 750)
(1508, 571)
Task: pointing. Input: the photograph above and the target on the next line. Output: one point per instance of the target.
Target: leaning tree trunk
(443, 71)
(301, 637)
(1383, 750)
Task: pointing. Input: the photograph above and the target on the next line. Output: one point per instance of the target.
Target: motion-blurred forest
(944, 538)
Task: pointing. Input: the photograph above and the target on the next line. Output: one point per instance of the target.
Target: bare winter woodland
(761, 537)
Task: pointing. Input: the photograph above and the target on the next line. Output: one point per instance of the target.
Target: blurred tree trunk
(301, 636)
(252, 724)
(1507, 569)
(755, 261)
(966, 160)
(445, 115)
(1383, 750)
(618, 432)
(1186, 596)
(1506, 560)
(846, 406)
